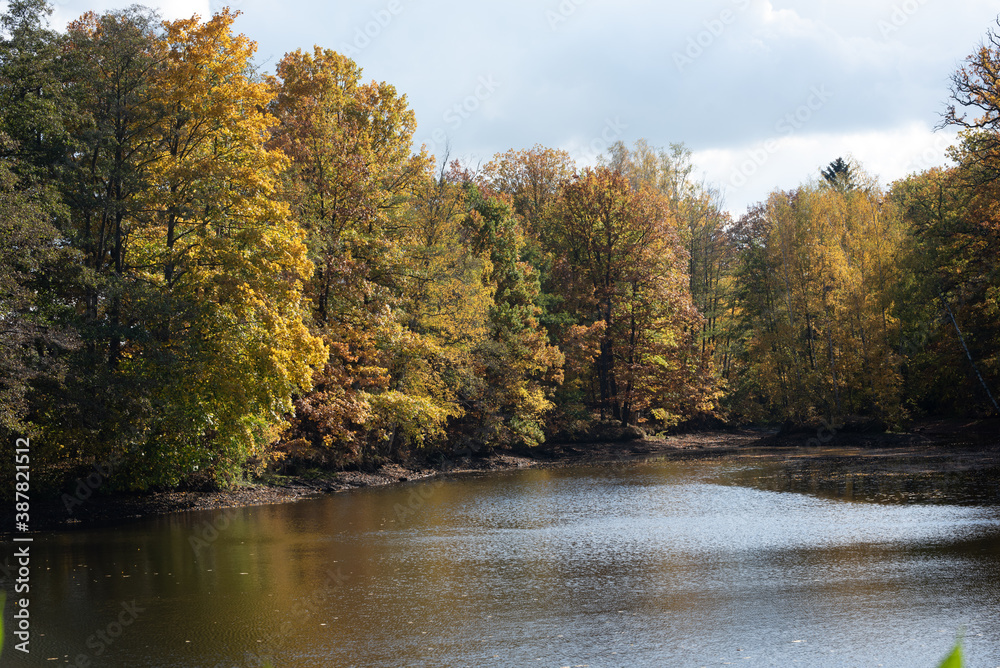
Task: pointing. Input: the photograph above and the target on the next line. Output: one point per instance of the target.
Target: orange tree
(623, 274)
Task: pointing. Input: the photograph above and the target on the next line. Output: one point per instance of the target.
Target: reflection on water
(647, 564)
(879, 477)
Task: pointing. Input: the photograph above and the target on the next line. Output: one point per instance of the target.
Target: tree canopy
(205, 269)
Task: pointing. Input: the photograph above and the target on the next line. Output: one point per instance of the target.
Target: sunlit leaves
(350, 177)
(621, 262)
(195, 300)
(817, 278)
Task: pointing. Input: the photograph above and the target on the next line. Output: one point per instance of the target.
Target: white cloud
(562, 82)
(749, 173)
(786, 22)
(65, 11)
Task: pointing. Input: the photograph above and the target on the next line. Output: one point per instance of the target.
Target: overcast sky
(764, 92)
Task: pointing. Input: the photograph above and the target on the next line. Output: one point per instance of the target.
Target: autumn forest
(204, 267)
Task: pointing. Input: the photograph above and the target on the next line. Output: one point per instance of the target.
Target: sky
(763, 92)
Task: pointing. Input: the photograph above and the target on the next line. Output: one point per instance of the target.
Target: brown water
(643, 564)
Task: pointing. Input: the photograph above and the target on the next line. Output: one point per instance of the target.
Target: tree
(351, 170)
(350, 182)
(701, 224)
(34, 331)
(225, 248)
(113, 61)
(36, 271)
(950, 332)
(33, 99)
(620, 260)
(935, 206)
(516, 367)
(839, 175)
(815, 305)
(193, 310)
(970, 280)
(532, 179)
(975, 86)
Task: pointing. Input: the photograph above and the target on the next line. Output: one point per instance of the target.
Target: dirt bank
(940, 445)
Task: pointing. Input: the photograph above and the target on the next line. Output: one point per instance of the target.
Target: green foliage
(515, 365)
(954, 659)
(32, 287)
(177, 271)
(197, 262)
(839, 175)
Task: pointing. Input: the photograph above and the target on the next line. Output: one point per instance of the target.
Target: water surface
(645, 564)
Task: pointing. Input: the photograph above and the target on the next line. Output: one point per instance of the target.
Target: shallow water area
(725, 561)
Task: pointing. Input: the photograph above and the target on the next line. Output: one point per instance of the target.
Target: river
(654, 563)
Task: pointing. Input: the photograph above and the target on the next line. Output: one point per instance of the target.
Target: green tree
(516, 367)
(35, 334)
(191, 309)
(839, 175)
(33, 99)
(37, 268)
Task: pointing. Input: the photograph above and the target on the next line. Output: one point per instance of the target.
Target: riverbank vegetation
(206, 269)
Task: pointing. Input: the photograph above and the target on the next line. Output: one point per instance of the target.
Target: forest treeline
(204, 268)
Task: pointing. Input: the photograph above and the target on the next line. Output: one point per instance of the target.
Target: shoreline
(945, 445)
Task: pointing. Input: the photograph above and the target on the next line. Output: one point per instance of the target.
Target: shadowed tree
(839, 175)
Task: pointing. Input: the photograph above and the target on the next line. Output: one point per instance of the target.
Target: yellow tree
(350, 182)
(440, 316)
(222, 261)
(862, 236)
(817, 277)
(532, 179)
